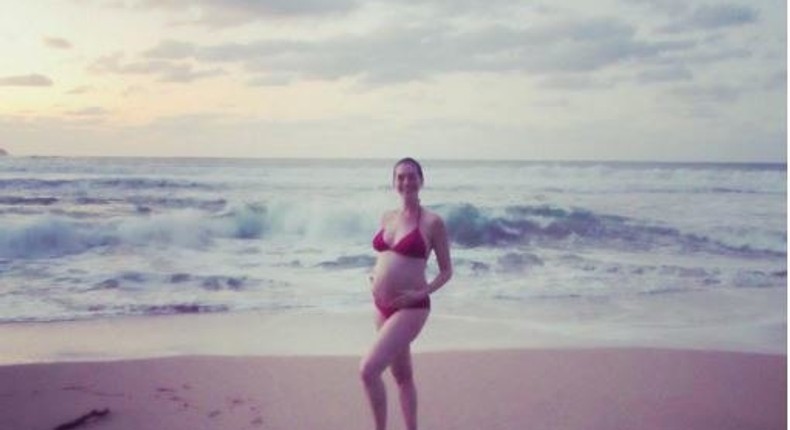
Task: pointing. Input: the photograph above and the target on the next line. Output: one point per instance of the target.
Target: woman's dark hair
(413, 162)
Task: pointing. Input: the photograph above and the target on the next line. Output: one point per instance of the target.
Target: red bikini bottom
(388, 311)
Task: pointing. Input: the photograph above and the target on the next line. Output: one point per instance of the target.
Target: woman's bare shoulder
(432, 219)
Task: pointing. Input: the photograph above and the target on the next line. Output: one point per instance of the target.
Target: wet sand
(584, 389)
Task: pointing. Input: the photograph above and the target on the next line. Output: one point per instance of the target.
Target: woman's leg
(402, 371)
(394, 337)
(377, 394)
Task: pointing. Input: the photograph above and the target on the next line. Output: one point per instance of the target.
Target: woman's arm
(441, 247)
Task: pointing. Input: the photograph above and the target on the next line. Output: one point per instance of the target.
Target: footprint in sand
(235, 402)
(163, 391)
(73, 387)
(91, 391)
(170, 394)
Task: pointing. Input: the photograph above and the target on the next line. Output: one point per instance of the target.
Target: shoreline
(342, 333)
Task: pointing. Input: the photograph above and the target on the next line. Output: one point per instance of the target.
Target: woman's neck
(410, 205)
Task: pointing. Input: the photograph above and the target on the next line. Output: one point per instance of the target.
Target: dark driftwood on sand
(83, 419)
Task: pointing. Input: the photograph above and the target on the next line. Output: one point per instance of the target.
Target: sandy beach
(537, 389)
(271, 385)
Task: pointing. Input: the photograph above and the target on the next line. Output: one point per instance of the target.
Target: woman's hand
(410, 297)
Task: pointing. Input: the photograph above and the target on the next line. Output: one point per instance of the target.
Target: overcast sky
(658, 80)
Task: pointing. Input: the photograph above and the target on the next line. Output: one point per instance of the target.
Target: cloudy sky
(666, 80)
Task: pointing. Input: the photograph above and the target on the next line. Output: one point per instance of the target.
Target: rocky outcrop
(3, 152)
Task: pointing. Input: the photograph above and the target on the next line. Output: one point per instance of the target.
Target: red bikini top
(412, 245)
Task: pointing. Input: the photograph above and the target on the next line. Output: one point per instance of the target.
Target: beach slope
(551, 389)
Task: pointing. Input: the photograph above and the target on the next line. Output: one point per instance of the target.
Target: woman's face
(406, 179)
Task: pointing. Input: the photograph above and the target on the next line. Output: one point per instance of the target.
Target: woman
(401, 291)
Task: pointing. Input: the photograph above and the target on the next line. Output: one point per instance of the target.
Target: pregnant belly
(395, 274)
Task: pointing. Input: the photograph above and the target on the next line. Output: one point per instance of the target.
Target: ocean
(584, 245)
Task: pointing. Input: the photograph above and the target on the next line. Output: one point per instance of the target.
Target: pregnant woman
(401, 293)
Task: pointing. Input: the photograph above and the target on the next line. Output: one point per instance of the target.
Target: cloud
(475, 8)
(134, 90)
(164, 70)
(669, 7)
(171, 49)
(272, 80)
(80, 90)
(776, 81)
(32, 80)
(708, 17)
(662, 74)
(553, 103)
(698, 57)
(418, 52)
(723, 16)
(226, 13)
(57, 43)
(575, 82)
(92, 111)
(708, 94)
(229, 13)
(183, 73)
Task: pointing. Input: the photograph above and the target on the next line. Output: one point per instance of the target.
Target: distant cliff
(3, 152)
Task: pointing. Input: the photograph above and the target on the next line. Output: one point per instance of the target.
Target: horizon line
(389, 159)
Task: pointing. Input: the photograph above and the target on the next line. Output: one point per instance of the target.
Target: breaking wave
(469, 226)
